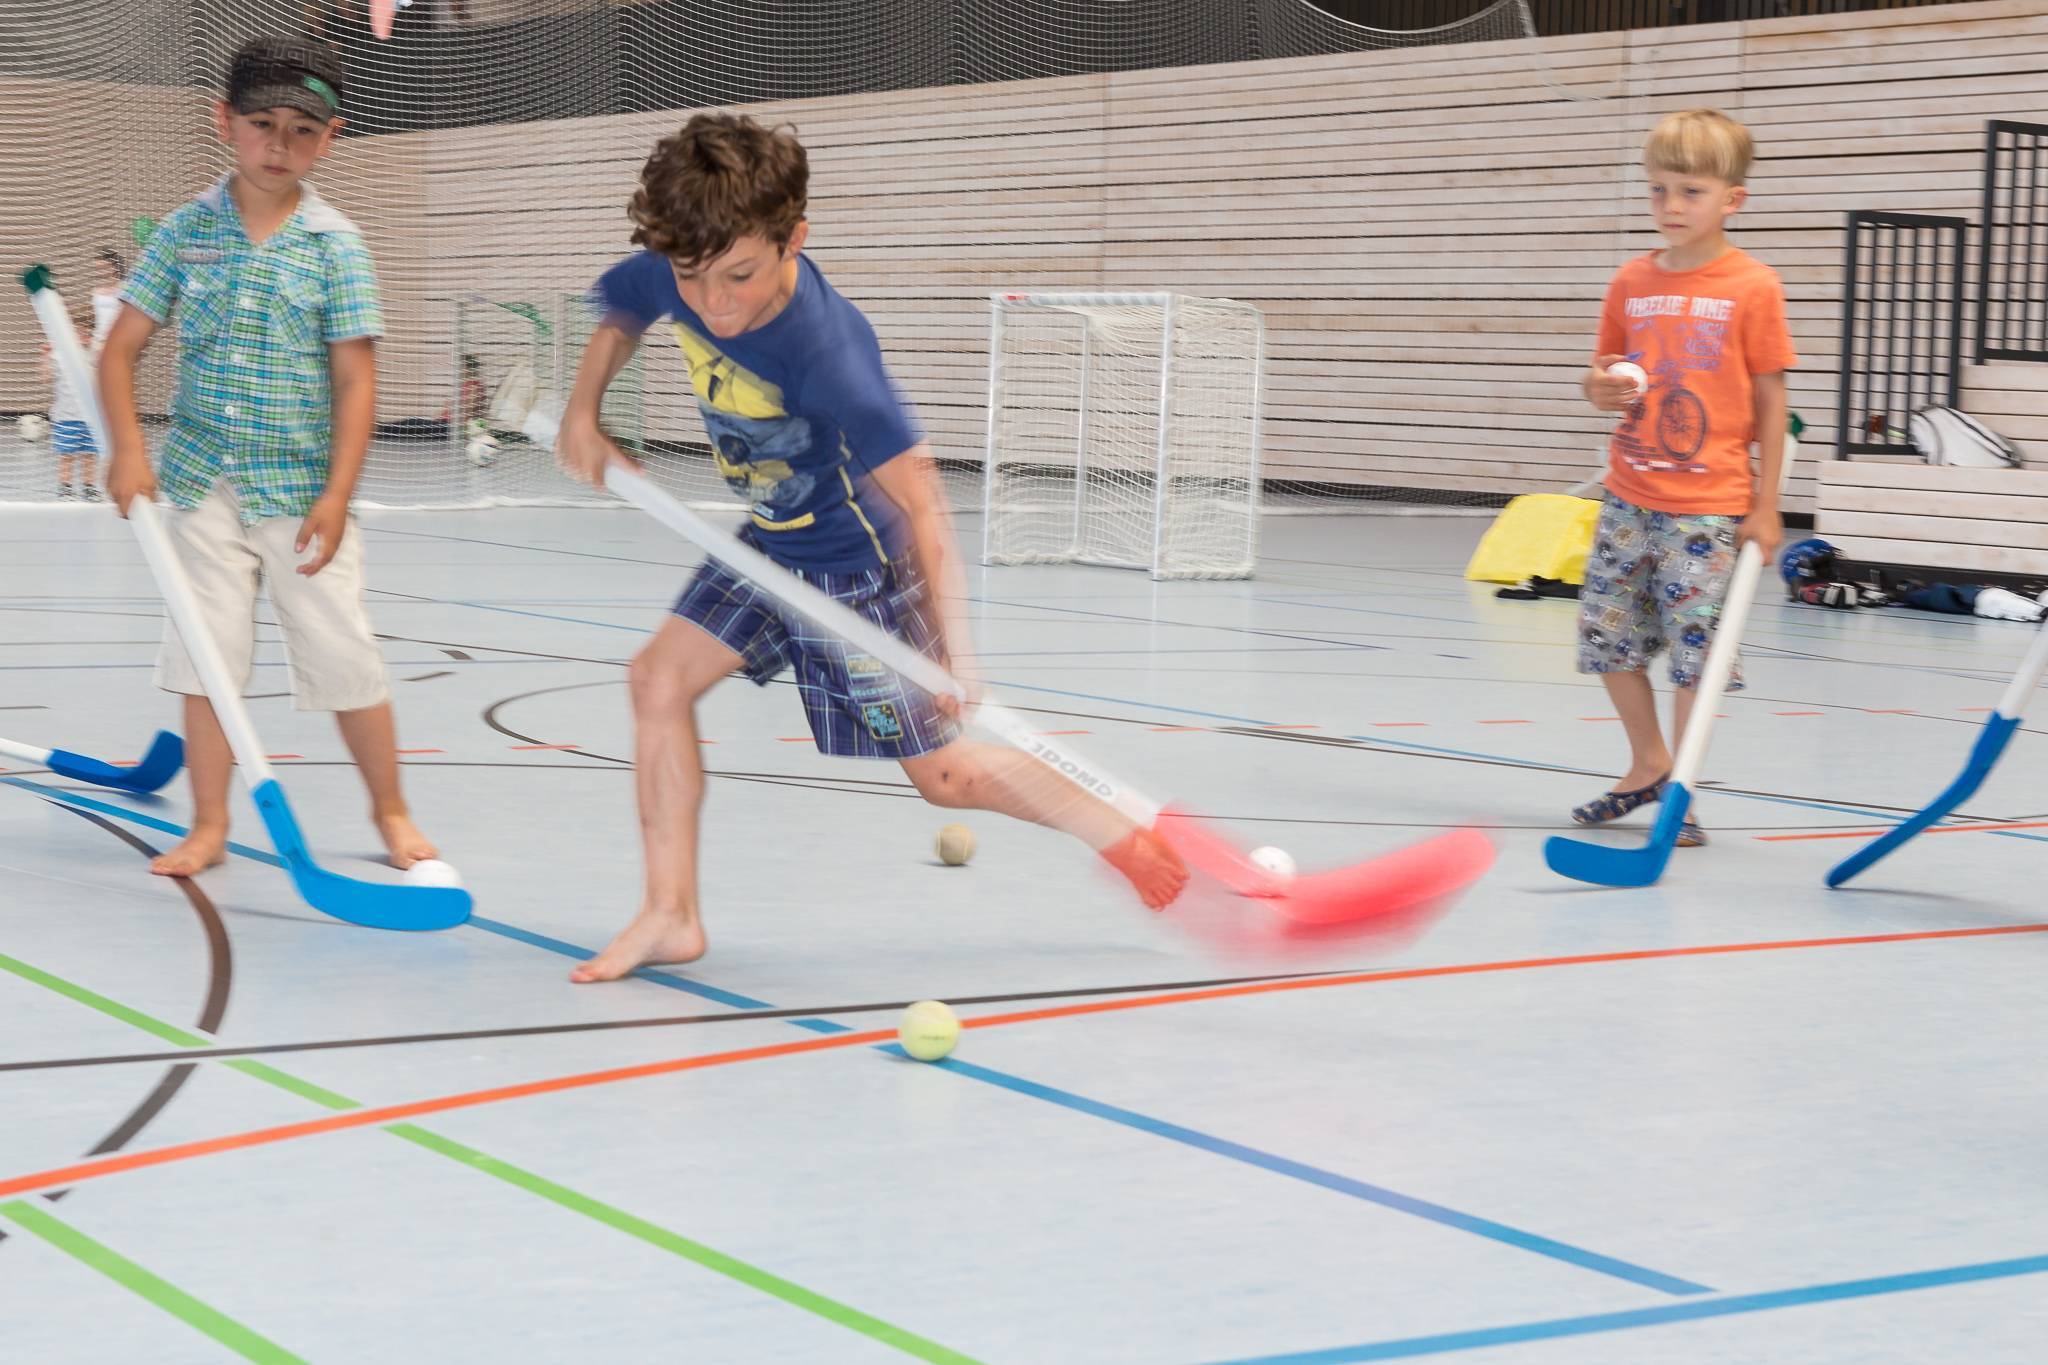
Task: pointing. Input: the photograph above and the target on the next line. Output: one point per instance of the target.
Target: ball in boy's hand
(483, 450)
(955, 845)
(432, 872)
(1634, 373)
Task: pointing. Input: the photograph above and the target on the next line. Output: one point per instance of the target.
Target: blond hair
(1702, 142)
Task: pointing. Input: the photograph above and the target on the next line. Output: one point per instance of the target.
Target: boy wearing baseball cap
(277, 315)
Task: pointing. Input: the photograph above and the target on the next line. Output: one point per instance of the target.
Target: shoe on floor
(1614, 805)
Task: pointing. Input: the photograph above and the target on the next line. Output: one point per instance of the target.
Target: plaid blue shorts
(72, 438)
(1655, 580)
(858, 708)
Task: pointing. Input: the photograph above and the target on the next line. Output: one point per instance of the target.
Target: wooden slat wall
(1956, 520)
(1428, 231)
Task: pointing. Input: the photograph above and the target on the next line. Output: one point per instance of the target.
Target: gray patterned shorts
(1654, 580)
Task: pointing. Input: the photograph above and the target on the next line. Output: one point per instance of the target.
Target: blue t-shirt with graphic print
(799, 413)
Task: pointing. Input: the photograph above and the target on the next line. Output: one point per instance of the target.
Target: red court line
(422, 751)
(1884, 829)
(1507, 722)
(391, 1113)
(365, 1118)
(792, 739)
(279, 758)
(532, 748)
(1615, 719)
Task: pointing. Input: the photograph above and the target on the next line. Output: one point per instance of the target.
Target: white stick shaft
(2023, 683)
(1720, 666)
(1726, 644)
(863, 634)
(157, 549)
(221, 690)
(72, 362)
(27, 753)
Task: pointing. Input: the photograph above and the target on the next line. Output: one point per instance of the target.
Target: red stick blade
(1385, 885)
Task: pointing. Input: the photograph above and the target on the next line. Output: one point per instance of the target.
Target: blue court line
(1295, 1170)
(1591, 1324)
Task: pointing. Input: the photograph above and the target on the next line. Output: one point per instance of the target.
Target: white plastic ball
(928, 1030)
(1275, 862)
(31, 427)
(1634, 373)
(483, 450)
(432, 872)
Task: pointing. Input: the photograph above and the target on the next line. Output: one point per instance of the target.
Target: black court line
(663, 1021)
(219, 984)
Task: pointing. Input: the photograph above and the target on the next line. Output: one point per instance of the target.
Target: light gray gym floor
(1732, 1117)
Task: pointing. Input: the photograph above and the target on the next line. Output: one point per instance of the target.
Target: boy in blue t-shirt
(806, 426)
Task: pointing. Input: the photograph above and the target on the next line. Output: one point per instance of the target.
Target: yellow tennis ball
(956, 845)
(928, 1030)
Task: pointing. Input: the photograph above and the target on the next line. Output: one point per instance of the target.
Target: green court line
(615, 1218)
(243, 1341)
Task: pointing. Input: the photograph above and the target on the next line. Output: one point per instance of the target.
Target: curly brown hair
(721, 178)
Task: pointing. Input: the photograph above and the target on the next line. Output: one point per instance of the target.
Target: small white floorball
(1629, 370)
(483, 450)
(1276, 862)
(955, 845)
(432, 872)
(928, 1030)
(31, 427)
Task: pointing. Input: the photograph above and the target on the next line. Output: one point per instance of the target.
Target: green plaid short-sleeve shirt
(254, 400)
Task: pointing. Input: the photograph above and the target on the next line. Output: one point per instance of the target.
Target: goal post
(1123, 430)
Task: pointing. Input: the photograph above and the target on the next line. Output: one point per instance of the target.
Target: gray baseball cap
(287, 72)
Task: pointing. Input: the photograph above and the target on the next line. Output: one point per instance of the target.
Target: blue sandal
(1614, 805)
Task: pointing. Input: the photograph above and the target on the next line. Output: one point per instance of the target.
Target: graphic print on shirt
(753, 437)
(1671, 336)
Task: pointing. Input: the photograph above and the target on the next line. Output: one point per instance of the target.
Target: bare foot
(204, 847)
(654, 936)
(404, 841)
(1153, 867)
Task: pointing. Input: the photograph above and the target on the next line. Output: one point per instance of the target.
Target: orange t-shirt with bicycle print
(1702, 336)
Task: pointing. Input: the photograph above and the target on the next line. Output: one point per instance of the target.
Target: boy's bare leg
(969, 775)
(1636, 703)
(372, 738)
(209, 763)
(676, 668)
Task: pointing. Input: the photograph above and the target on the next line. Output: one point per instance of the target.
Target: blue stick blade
(374, 905)
(1606, 865)
(1991, 742)
(166, 755)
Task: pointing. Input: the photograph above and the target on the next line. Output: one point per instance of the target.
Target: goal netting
(490, 149)
(1123, 430)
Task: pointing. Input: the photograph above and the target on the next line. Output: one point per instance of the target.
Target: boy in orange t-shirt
(1706, 322)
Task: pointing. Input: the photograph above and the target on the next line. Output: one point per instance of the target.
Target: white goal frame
(1202, 474)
